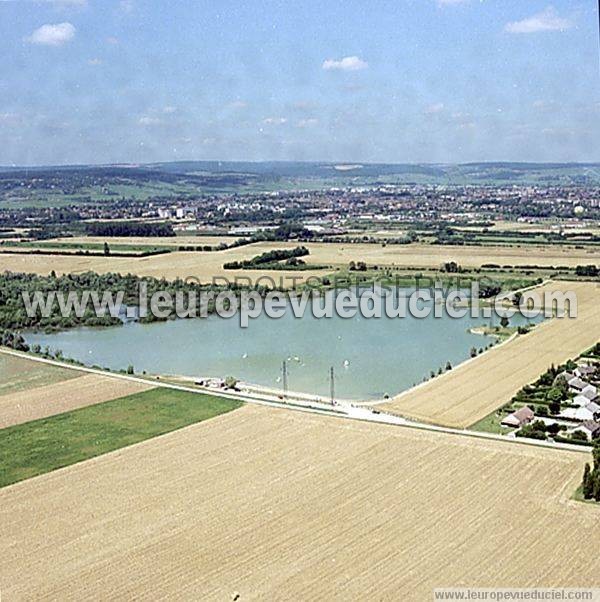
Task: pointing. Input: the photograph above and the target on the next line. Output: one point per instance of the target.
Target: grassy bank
(491, 424)
(37, 447)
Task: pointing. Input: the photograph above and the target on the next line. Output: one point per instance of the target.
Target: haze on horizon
(410, 81)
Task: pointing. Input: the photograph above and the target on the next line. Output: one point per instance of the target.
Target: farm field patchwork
(47, 400)
(541, 226)
(424, 256)
(201, 265)
(278, 505)
(50, 248)
(470, 392)
(206, 265)
(40, 446)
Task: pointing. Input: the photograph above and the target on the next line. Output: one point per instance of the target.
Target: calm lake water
(371, 357)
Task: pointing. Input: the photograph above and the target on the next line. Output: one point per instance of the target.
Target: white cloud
(68, 3)
(237, 104)
(274, 121)
(57, 3)
(95, 62)
(438, 107)
(307, 123)
(126, 6)
(52, 34)
(145, 120)
(545, 105)
(547, 20)
(9, 118)
(112, 41)
(450, 2)
(348, 63)
(304, 105)
(168, 110)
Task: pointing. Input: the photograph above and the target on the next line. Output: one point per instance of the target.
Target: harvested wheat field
(433, 256)
(201, 265)
(89, 389)
(207, 265)
(20, 374)
(473, 390)
(277, 505)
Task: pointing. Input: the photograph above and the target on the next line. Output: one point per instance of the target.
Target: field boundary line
(346, 412)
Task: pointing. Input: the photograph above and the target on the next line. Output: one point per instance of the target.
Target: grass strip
(40, 446)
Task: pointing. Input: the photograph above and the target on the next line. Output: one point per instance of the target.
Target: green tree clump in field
(270, 259)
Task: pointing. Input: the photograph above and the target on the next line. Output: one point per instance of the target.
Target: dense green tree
(591, 476)
(129, 229)
(13, 286)
(231, 382)
(268, 258)
(596, 480)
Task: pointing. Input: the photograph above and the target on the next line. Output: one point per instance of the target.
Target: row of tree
(591, 477)
(14, 340)
(590, 271)
(270, 257)
(14, 315)
(142, 229)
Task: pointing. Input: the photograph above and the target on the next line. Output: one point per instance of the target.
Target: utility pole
(284, 378)
(332, 385)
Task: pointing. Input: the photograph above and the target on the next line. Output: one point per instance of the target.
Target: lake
(371, 357)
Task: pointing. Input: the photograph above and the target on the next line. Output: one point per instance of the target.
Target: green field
(40, 446)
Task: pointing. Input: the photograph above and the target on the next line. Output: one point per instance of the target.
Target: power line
(332, 385)
(284, 378)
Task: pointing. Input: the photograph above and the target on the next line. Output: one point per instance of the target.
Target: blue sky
(98, 81)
